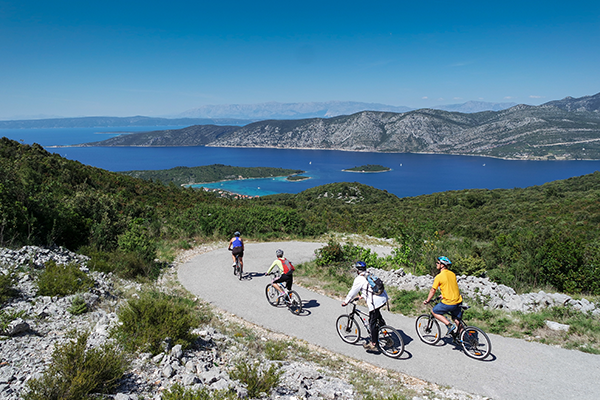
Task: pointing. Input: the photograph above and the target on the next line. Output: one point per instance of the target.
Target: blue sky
(79, 58)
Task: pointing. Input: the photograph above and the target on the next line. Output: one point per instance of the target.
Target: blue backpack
(376, 284)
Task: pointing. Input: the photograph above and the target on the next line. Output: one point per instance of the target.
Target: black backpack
(376, 284)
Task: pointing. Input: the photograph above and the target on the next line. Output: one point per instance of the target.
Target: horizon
(73, 59)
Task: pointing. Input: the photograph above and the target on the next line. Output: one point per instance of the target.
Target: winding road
(516, 369)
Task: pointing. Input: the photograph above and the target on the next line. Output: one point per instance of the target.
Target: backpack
(376, 284)
(287, 266)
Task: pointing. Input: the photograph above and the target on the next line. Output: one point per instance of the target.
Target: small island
(368, 168)
(297, 178)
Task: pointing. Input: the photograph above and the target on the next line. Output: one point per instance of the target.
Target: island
(213, 173)
(368, 168)
(297, 178)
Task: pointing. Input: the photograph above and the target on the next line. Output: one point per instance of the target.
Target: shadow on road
(310, 304)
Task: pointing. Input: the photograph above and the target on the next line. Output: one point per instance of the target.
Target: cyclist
(287, 272)
(374, 301)
(451, 298)
(236, 246)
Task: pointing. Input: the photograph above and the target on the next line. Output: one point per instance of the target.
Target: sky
(66, 58)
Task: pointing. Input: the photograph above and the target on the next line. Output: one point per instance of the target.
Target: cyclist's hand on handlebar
(344, 304)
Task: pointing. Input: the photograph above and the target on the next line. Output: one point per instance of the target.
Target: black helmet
(279, 253)
(360, 265)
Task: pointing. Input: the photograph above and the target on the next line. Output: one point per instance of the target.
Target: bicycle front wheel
(348, 329)
(390, 342)
(428, 329)
(272, 295)
(295, 303)
(475, 343)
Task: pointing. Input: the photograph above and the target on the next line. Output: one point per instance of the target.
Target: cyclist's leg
(276, 284)
(374, 321)
(438, 312)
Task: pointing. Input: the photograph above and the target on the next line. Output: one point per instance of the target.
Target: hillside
(568, 129)
(536, 237)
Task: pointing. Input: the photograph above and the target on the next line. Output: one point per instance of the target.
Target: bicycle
(237, 268)
(474, 341)
(290, 298)
(389, 341)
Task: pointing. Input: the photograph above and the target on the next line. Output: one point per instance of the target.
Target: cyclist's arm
(431, 294)
(356, 288)
(229, 246)
(275, 263)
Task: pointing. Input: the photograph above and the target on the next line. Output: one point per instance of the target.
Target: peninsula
(212, 173)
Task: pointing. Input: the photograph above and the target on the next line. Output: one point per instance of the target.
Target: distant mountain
(273, 110)
(582, 104)
(475, 106)
(328, 109)
(520, 132)
(103, 122)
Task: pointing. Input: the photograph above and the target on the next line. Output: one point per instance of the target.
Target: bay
(411, 174)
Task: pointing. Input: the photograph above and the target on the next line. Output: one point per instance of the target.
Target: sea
(410, 174)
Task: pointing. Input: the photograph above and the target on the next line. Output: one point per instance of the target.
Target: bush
(406, 301)
(78, 306)
(178, 392)
(63, 280)
(138, 240)
(148, 320)
(76, 372)
(257, 379)
(126, 265)
(7, 290)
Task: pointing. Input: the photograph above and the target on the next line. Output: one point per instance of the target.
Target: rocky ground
(36, 324)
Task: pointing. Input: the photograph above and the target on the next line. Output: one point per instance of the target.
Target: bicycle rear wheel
(390, 342)
(475, 343)
(272, 295)
(240, 271)
(428, 329)
(295, 303)
(348, 329)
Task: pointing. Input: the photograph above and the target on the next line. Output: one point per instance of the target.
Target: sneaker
(369, 346)
(451, 328)
(281, 295)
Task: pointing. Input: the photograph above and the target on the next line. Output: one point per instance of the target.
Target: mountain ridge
(548, 131)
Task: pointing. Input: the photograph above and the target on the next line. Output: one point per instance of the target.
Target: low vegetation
(62, 280)
(77, 371)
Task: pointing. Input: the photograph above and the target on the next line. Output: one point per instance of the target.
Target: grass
(62, 280)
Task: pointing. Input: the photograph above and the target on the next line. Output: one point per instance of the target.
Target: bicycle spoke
(348, 329)
(428, 329)
(475, 343)
(272, 295)
(390, 342)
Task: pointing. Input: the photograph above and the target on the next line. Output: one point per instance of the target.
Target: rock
(16, 327)
(177, 351)
(555, 326)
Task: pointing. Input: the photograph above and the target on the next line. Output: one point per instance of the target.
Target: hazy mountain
(273, 110)
(585, 104)
(328, 109)
(475, 106)
(522, 131)
(103, 122)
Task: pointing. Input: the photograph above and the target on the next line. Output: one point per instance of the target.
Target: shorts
(288, 279)
(454, 310)
(238, 251)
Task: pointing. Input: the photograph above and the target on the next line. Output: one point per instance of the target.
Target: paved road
(516, 369)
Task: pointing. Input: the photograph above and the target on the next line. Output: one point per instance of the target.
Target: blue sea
(411, 174)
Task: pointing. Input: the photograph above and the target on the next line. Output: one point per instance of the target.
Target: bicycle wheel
(348, 329)
(390, 342)
(428, 329)
(272, 295)
(475, 343)
(295, 303)
(240, 271)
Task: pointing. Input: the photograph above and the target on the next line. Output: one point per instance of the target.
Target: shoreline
(245, 179)
(532, 158)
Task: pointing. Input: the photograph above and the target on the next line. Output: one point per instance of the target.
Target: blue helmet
(360, 265)
(444, 260)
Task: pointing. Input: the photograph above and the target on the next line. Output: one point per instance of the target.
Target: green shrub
(7, 290)
(78, 306)
(7, 317)
(329, 254)
(75, 372)
(137, 239)
(257, 379)
(470, 265)
(406, 302)
(276, 350)
(148, 320)
(63, 280)
(127, 265)
(178, 392)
